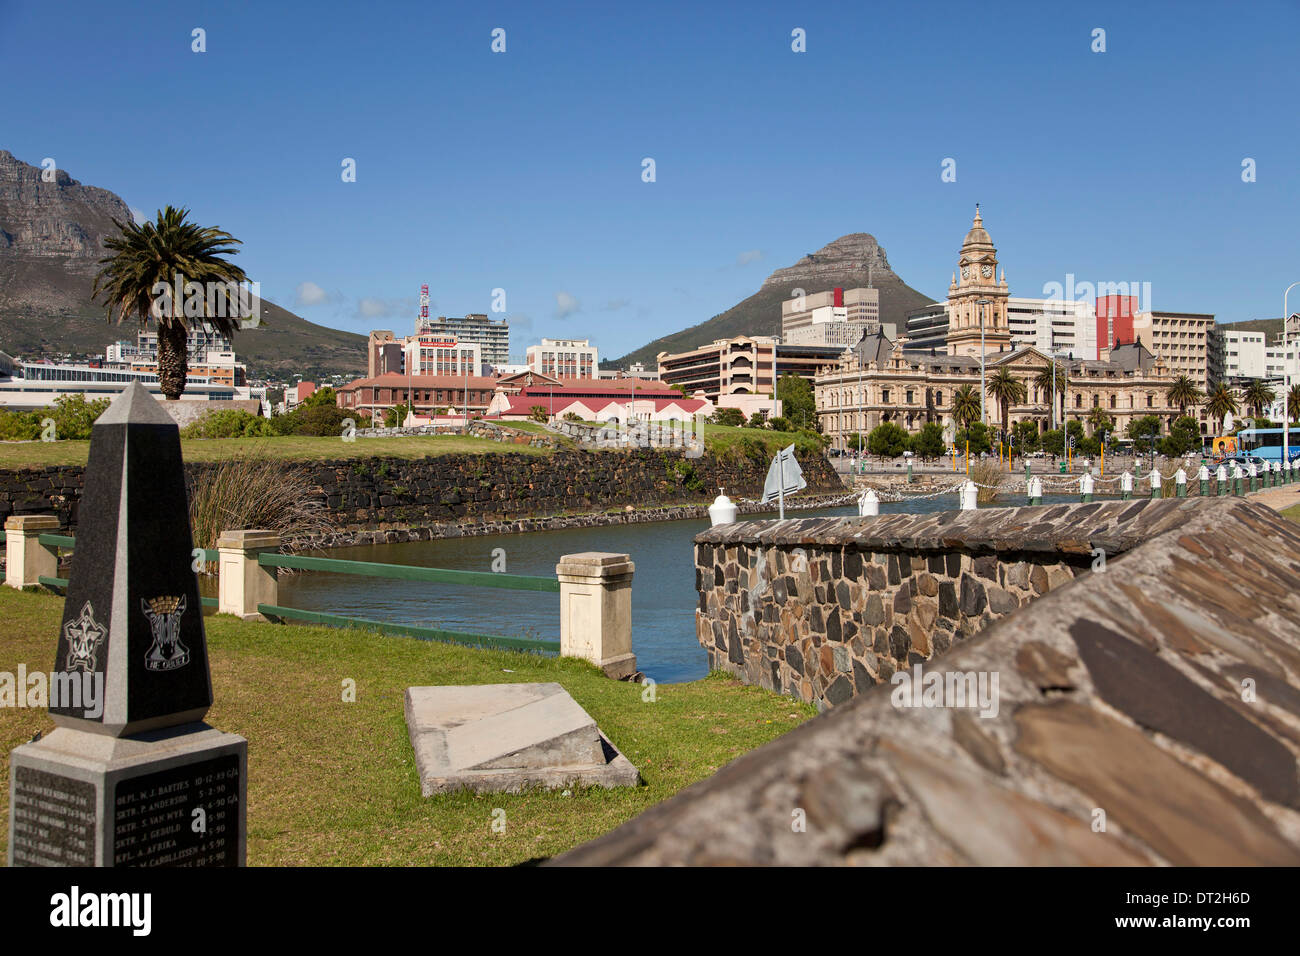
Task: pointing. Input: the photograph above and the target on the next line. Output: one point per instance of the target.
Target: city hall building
(880, 380)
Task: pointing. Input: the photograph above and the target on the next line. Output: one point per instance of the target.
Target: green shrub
(74, 416)
(887, 440)
(229, 423)
(320, 420)
(20, 426)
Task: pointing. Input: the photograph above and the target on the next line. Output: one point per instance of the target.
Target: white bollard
(869, 504)
(1126, 485)
(1035, 490)
(1180, 483)
(1203, 474)
(722, 511)
(969, 496)
(1155, 483)
(1085, 487)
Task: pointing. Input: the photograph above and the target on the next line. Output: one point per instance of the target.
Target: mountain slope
(50, 245)
(850, 261)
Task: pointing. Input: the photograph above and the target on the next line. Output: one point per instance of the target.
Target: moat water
(663, 588)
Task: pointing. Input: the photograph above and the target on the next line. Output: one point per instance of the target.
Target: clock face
(988, 272)
(965, 272)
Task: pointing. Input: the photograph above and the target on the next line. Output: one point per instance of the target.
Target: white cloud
(309, 293)
(748, 256)
(566, 305)
(370, 307)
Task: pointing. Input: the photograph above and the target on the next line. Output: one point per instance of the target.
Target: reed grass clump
(253, 492)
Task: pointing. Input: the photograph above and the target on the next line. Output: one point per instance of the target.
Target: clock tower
(975, 279)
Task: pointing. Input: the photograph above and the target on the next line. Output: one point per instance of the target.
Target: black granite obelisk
(133, 611)
(131, 776)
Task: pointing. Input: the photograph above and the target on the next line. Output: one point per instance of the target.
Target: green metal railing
(66, 541)
(274, 611)
(399, 572)
(406, 572)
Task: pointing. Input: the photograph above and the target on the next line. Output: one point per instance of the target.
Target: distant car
(908, 454)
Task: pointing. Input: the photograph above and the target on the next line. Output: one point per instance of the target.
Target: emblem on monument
(84, 635)
(167, 653)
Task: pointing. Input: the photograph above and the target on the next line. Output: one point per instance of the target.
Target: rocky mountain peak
(854, 254)
(61, 219)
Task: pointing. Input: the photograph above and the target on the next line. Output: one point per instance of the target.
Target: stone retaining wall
(823, 609)
(385, 493)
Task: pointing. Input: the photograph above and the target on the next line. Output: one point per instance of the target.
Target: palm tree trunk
(173, 359)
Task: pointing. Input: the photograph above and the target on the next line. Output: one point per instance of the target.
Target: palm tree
(966, 405)
(1220, 404)
(1293, 403)
(1007, 391)
(1044, 381)
(1100, 420)
(166, 255)
(1183, 393)
(1258, 394)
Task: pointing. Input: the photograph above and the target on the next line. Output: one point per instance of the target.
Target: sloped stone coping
(1149, 714)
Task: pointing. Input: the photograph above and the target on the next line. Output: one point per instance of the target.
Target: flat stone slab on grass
(504, 737)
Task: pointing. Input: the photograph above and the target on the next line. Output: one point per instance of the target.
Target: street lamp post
(981, 303)
(1286, 379)
(862, 405)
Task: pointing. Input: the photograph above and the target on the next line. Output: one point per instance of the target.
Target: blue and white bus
(1266, 443)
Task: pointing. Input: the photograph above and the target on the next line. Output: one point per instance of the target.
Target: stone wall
(382, 493)
(1145, 715)
(823, 609)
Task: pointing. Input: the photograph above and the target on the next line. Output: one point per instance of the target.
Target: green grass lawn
(718, 438)
(39, 454)
(331, 783)
(1293, 513)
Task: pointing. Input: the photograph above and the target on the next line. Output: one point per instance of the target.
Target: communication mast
(423, 322)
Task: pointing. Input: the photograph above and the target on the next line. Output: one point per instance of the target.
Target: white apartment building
(1054, 325)
(1276, 365)
(564, 358)
(1068, 328)
(1244, 354)
(1182, 339)
(435, 354)
(836, 317)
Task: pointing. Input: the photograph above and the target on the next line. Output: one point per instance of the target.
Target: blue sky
(523, 170)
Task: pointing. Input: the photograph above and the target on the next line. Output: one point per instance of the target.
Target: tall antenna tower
(423, 322)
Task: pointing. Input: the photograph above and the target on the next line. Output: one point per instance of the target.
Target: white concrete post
(596, 610)
(722, 511)
(244, 584)
(1126, 485)
(1085, 487)
(869, 504)
(969, 496)
(1155, 483)
(26, 559)
(1035, 490)
(1180, 483)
